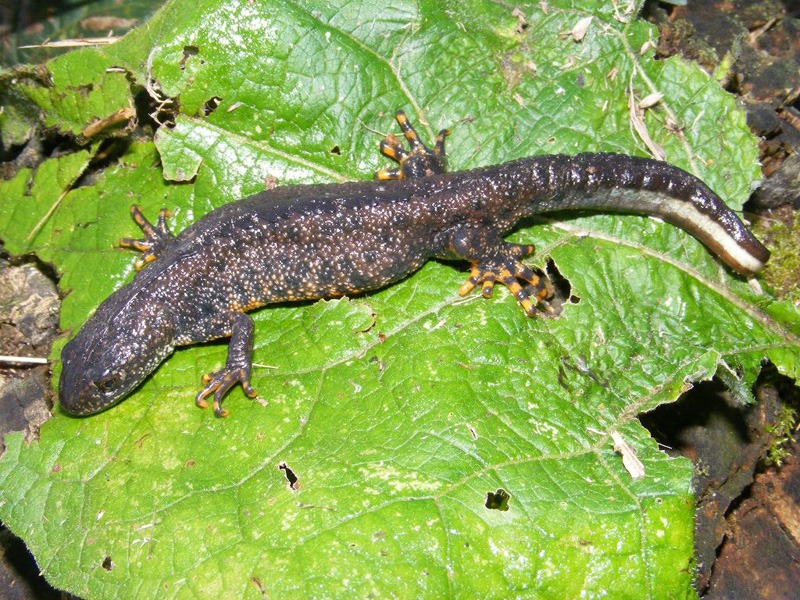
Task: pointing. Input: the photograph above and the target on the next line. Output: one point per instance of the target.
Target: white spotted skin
(308, 242)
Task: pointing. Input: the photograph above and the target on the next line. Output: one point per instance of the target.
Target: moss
(783, 268)
(782, 433)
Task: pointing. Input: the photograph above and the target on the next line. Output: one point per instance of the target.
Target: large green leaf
(401, 410)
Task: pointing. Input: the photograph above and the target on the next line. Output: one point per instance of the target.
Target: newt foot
(156, 238)
(218, 383)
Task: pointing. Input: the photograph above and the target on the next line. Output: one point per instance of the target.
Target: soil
(747, 538)
(748, 518)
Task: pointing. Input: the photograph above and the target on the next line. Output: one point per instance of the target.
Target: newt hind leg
(156, 238)
(496, 261)
(419, 160)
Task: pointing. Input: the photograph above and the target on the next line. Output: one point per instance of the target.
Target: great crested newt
(305, 242)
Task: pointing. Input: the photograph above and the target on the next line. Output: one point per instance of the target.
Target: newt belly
(320, 241)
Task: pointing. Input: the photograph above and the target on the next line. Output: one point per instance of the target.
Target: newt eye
(107, 384)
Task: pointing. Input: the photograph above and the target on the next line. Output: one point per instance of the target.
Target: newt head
(113, 353)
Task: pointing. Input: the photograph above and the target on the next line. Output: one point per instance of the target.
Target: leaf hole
(377, 361)
(336, 150)
(497, 500)
(371, 324)
(291, 478)
(107, 563)
(188, 52)
(562, 287)
(151, 113)
(85, 90)
(211, 105)
(522, 23)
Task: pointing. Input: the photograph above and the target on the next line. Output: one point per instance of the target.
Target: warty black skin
(319, 241)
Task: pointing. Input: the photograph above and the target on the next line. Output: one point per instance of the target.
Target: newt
(306, 242)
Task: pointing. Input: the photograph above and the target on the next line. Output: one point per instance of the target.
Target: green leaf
(33, 196)
(400, 411)
(78, 90)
